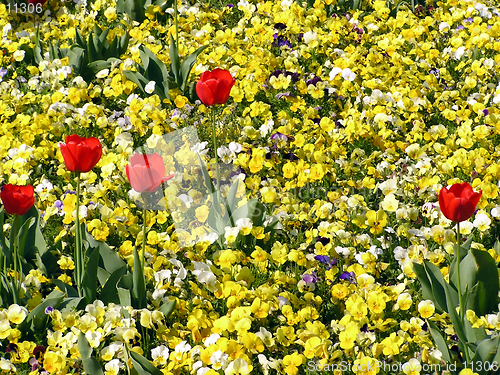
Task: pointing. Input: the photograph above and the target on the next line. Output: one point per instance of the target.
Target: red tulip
(36, 2)
(214, 87)
(17, 200)
(146, 172)
(459, 202)
(81, 154)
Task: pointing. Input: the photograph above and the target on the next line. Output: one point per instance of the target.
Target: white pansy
(225, 154)
(235, 147)
(310, 36)
(102, 73)
(334, 72)
(266, 128)
(212, 339)
(199, 148)
(160, 354)
(19, 55)
(348, 75)
(150, 87)
(482, 222)
(205, 275)
(495, 212)
(458, 53)
(6, 29)
(286, 4)
(443, 26)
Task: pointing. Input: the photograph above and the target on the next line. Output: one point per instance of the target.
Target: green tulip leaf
(4, 243)
(37, 317)
(111, 260)
(124, 287)
(457, 322)
(442, 293)
(112, 49)
(109, 291)
(142, 365)
(231, 200)
(139, 285)
(66, 288)
(90, 364)
(464, 250)
(79, 39)
(208, 180)
(103, 41)
(137, 78)
(187, 65)
(23, 233)
(97, 66)
(174, 61)
(244, 211)
(156, 69)
(168, 307)
(89, 282)
(487, 353)
(35, 237)
(479, 267)
(440, 341)
(93, 54)
(76, 56)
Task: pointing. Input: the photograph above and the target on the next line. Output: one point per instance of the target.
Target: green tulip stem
(461, 305)
(176, 26)
(78, 241)
(457, 257)
(214, 137)
(16, 261)
(143, 258)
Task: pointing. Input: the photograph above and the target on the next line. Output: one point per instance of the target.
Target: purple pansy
(349, 276)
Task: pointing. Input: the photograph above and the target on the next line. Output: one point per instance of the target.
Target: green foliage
(480, 285)
(96, 53)
(142, 365)
(32, 253)
(218, 220)
(136, 9)
(86, 57)
(153, 69)
(90, 364)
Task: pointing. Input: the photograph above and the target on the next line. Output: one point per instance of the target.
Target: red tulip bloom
(36, 2)
(146, 172)
(81, 154)
(214, 87)
(17, 200)
(459, 202)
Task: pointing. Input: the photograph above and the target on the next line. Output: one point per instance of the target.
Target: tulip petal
(223, 91)
(69, 158)
(17, 200)
(221, 74)
(459, 202)
(204, 93)
(145, 172)
(81, 154)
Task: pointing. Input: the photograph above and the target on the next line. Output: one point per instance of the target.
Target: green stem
(15, 260)
(176, 26)
(78, 241)
(218, 212)
(461, 311)
(214, 138)
(143, 260)
(457, 257)
(127, 356)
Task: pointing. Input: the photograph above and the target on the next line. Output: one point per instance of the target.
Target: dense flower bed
(344, 125)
